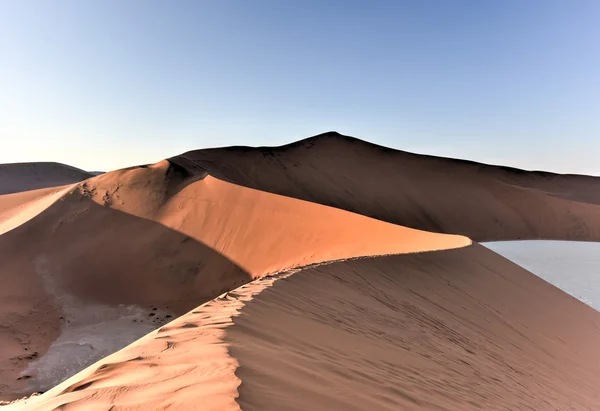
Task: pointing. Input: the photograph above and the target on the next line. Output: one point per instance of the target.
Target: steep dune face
(260, 231)
(485, 203)
(449, 330)
(164, 238)
(19, 177)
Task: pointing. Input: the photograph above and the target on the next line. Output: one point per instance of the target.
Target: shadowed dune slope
(449, 330)
(161, 237)
(261, 232)
(17, 177)
(63, 269)
(483, 202)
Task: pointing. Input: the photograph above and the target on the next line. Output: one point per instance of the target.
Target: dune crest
(146, 244)
(460, 329)
(231, 219)
(482, 202)
(181, 236)
(183, 363)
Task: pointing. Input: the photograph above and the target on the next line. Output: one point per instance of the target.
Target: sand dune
(449, 330)
(161, 238)
(184, 365)
(19, 177)
(92, 266)
(485, 203)
(18, 208)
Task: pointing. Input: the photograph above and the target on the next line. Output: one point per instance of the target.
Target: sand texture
(449, 330)
(111, 251)
(291, 278)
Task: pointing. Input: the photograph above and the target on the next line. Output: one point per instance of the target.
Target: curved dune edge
(18, 208)
(183, 363)
(259, 231)
(482, 202)
(461, 329)
(186, 236)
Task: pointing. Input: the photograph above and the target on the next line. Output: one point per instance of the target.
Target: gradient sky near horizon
(107, 84)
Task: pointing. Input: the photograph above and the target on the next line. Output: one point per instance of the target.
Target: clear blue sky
(107, 84)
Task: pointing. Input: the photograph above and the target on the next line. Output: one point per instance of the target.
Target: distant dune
(18, 177)
(483, 202)
(263, 245)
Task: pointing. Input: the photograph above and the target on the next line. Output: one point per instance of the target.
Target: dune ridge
(147, 244)
(183, 363)
(482, 202)
(417, 331)
(159, 237)
(461, 329)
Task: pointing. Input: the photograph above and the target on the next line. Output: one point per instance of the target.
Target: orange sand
(485, 203)
(444, 330)
(168, 238)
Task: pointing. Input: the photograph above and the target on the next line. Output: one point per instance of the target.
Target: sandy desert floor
(239, 270)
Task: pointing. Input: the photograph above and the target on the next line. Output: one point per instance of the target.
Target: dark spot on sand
(82, 386)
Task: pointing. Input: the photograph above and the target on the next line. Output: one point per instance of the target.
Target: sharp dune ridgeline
(483, 202)
(452, 330)
(449, 330)
(326, 274)
(154, 238)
